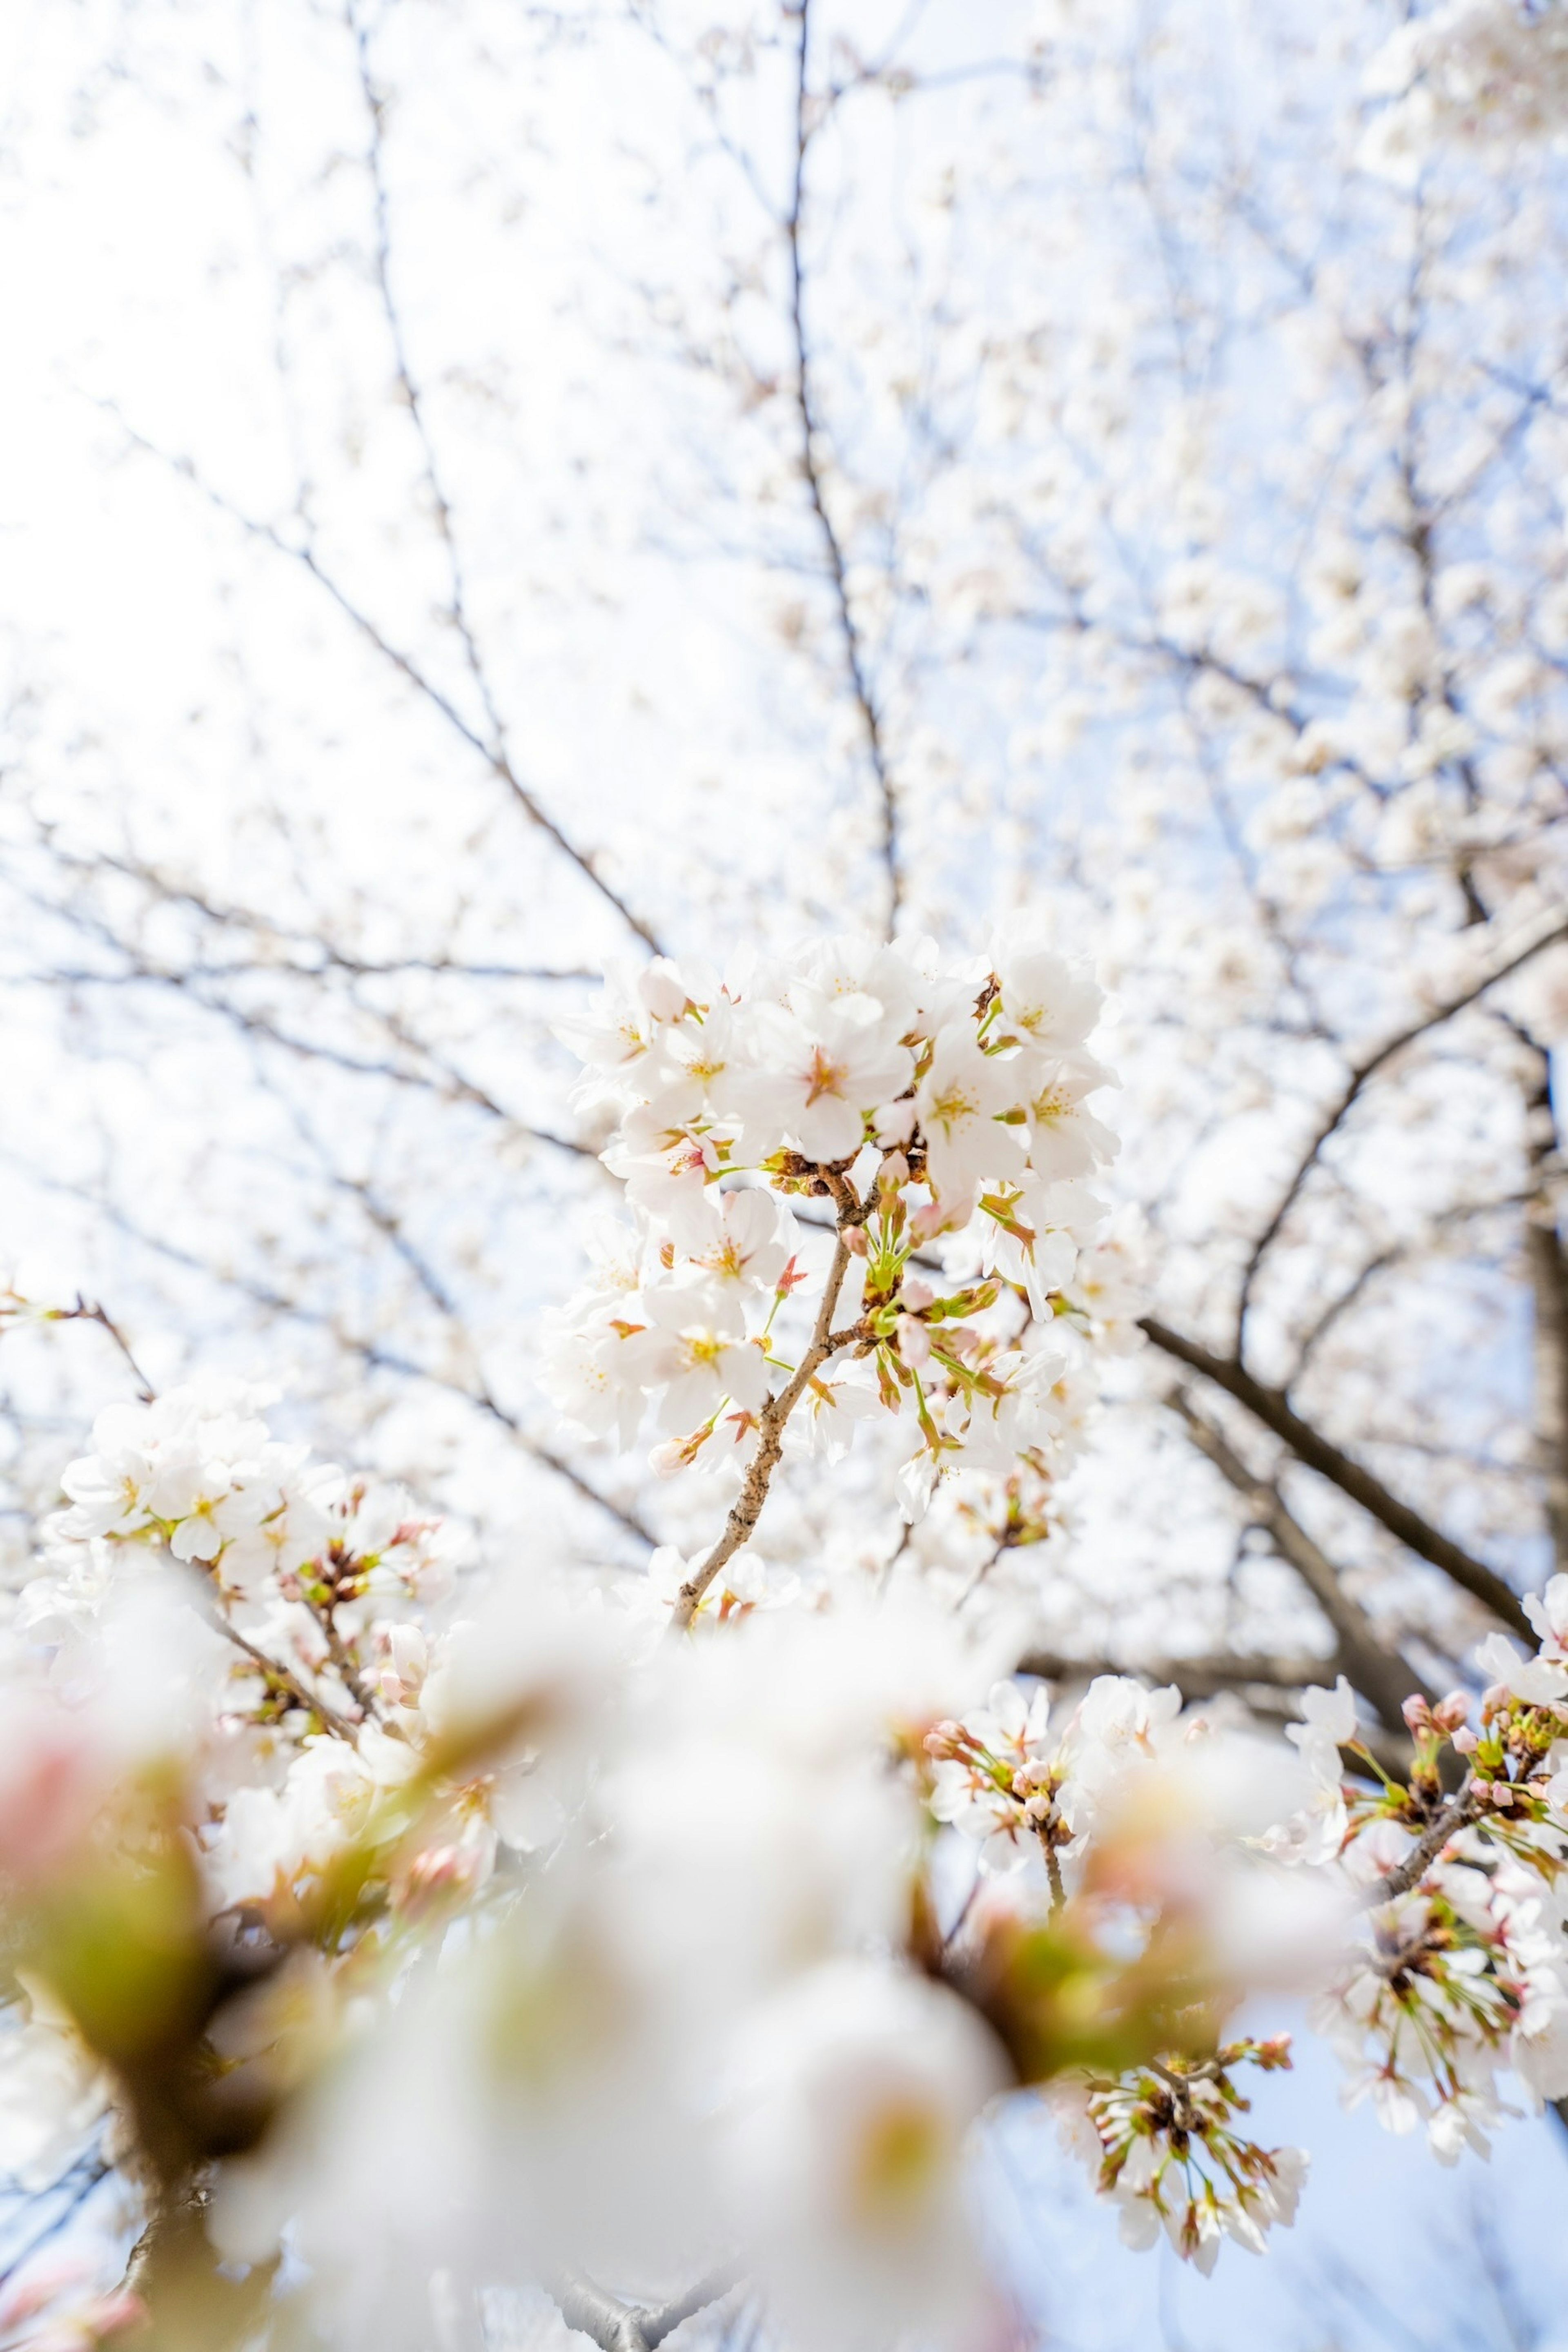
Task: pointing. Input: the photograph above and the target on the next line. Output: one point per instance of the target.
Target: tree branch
(753, 1494)
(810, 434)
(494, 754)
(1549, 1297)
(1427, 1848)
(1505, 959)
(1379, 1674)
(1273, 1408)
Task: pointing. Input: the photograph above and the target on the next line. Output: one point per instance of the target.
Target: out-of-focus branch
(811, 471)
(1549, 1296)
(1380, 1674)
(1506, 958)
(1268, 1684)
(1202, 1675)
(407, 382)
(495, 755)
(325, 952)
(439, 1078)
(1273, 1408)
(368, 1352)
(85, 1311)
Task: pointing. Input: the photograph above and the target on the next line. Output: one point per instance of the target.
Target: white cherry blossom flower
(1538, 1680)
(817, 1072)
(852, 2096)
(961, 1101)
(694, 1351)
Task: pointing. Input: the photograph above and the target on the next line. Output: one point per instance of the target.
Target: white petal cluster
(1161, 2143)
(1489, 74)
(688, 2030)
(1005, 1778)
(914, 1095)
(1460, 1979)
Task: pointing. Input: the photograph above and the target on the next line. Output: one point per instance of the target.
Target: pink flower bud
(1451, 1712)
(915, 1295)
(1466, 1741)
(440, 1871)
(1417, 1714)
(893, 1174)
(854, 1239)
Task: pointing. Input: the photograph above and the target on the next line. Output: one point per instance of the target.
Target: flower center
(951, 1109)
(825, 1076)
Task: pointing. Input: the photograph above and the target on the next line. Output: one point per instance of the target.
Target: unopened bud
(1417, 1716)
(915, 1295)
(1451, 1712)
(1466, 1741)
(893, 1172)
(439, 1870)
(854, 1239)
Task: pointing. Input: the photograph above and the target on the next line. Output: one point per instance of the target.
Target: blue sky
(1388, 2249)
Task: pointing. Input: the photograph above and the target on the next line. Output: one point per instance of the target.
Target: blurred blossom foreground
(559, 857)
(655, 1938)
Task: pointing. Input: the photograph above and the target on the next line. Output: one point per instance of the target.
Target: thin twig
(86, 1311)
(1505, 959)
(753, 1494)
(810, 436)
(1428, 1846)
(291, 1681)
(495, 755)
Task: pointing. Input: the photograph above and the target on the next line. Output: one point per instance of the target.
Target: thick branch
(1549, 1297)
(1273, 1408)
(1378, 1673)
(1198, 1678)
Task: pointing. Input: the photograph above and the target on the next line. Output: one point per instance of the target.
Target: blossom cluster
(1489, 73)
(1460, 1976)
(928, 1103)
(1162, 2142)
(649, 1938)
(694, 1920)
